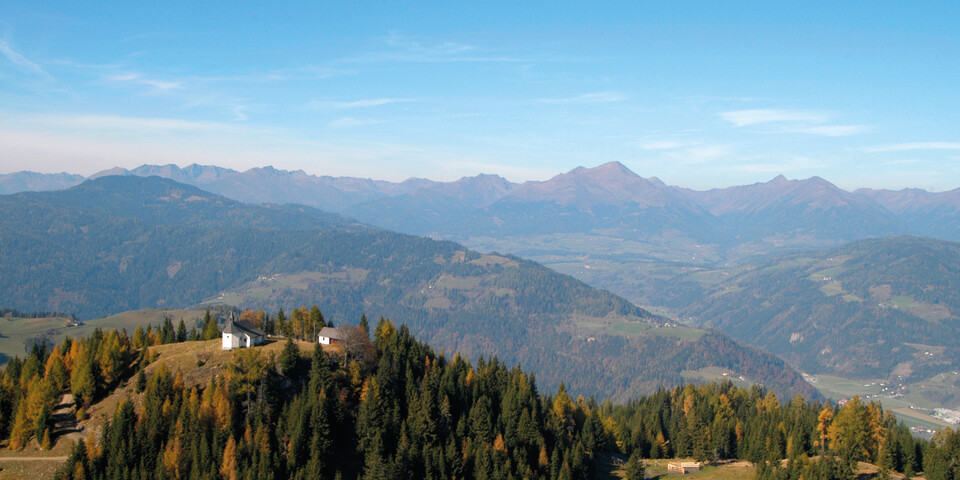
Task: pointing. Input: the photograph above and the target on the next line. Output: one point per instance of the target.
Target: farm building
(683, 467)
(329, 335)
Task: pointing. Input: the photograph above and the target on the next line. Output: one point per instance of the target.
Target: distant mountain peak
(109, 172)
(815, 180)
(25, 181)
(611, 183)
(813, 201)
(779, 180)
(483, 179)
(613, 168)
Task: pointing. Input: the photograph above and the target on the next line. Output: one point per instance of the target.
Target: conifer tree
(364, 324)
(83, 381)
(167, 332)
(43, 422)
(316, 320)
(141, 381)
(181, 331)
(635, 469)
(282, 328)
(210, 328)
(139, 338)
(288, 358)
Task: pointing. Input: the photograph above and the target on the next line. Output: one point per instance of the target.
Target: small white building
(329, 335)
(241, 334)
(683, 467)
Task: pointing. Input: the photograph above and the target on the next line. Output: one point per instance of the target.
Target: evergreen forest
(392, 407)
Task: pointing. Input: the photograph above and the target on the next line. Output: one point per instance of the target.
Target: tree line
(394, 408)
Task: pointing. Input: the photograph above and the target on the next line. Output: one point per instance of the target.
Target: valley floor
(905, 400)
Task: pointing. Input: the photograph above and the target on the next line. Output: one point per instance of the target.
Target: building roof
(238, 327)
(330, 332)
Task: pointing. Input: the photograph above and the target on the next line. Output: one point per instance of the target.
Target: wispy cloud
(706, 153)
(238, 113)
(686, 155)
(792, 121)
(123, 123)
(397, 47)
(832, 130)
(743, 118)
(363, 103)
(903, 147)
(781, 165)
(22, 62)
(138, 79)
(609, 96)
(409, 44)
(303, 73)
(661, 145)
(352, 122)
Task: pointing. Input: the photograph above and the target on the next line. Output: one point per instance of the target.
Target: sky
(699, 94)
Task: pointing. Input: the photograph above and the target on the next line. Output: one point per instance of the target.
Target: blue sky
(699, 94)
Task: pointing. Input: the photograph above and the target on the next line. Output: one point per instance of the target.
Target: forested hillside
(394, 408)
(871, 308)
(121, 243)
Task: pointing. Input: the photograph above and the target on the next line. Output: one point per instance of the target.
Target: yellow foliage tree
(173, 458)
(563, 410)
(22, 429)
(40, 394)
(543, 461)
(228, 469)
(56, 370)
(498, 444)
(223, 408)
(853, 434)
(110, 359)
(823, 424)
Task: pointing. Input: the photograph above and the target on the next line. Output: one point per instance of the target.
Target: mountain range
(793, 211)
(117, 243)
